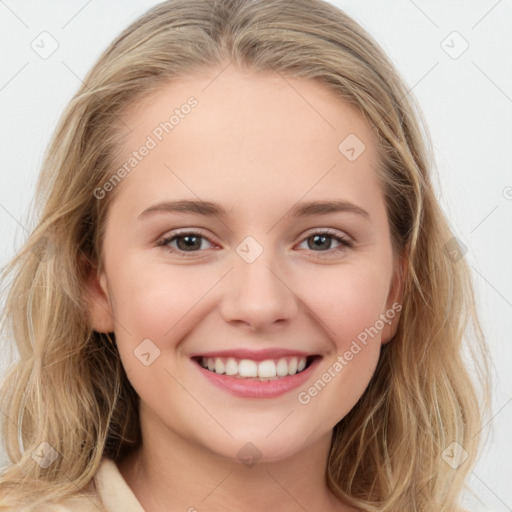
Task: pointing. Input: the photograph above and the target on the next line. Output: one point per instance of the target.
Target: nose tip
(257, 295)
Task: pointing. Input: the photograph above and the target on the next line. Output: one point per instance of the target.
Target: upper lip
(255, 355)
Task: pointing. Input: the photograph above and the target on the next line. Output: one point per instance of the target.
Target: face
(255, 280)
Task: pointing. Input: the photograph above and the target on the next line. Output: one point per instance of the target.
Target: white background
(467, 102)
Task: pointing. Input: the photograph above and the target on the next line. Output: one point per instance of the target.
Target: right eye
(187, 241)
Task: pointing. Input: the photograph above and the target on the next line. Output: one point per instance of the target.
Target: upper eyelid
(330, 231)
(185, 231)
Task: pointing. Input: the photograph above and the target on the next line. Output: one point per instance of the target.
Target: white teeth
(219, 366)
(247, 368)
(267, 369)
(231, 367)
(282, 367)
(292, 366)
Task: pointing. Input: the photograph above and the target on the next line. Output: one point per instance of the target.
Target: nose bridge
(257, 292)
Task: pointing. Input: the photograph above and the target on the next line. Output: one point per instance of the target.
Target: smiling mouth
(248, 369)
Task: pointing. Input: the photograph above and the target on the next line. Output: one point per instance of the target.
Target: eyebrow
(209, 209)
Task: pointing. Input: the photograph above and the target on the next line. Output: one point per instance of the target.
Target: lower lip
(248, 388)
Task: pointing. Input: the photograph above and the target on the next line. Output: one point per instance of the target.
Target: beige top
(113, 494)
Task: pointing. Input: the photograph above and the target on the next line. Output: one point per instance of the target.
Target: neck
(182, 475)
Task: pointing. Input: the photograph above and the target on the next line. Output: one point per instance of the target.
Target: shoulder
(79, 503)
(107, 491)
(84, 501)
(74, 504)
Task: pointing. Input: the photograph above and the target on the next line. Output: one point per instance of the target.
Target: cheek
(348, 306)
(347, 301)
(158, 302)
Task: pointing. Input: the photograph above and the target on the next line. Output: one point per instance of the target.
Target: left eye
(321, 239)
(191, 241)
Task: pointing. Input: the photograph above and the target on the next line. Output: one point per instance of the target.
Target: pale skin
(254, 145)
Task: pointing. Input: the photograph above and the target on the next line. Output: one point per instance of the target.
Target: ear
(395, 298)
(101, 316)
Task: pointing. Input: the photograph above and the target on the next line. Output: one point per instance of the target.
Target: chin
(249, 447)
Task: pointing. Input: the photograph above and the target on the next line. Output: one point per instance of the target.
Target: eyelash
(345, 243)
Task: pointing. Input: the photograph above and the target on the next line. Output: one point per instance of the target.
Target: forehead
(248, 131)
(247, 103)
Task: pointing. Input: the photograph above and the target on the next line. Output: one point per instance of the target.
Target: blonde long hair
(68, 389)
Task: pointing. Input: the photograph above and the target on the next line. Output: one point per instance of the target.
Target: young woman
(241, 293)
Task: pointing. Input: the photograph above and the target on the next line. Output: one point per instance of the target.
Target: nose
(257, 294)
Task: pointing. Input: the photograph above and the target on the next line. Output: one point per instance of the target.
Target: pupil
(189, 242)
(323, 239)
